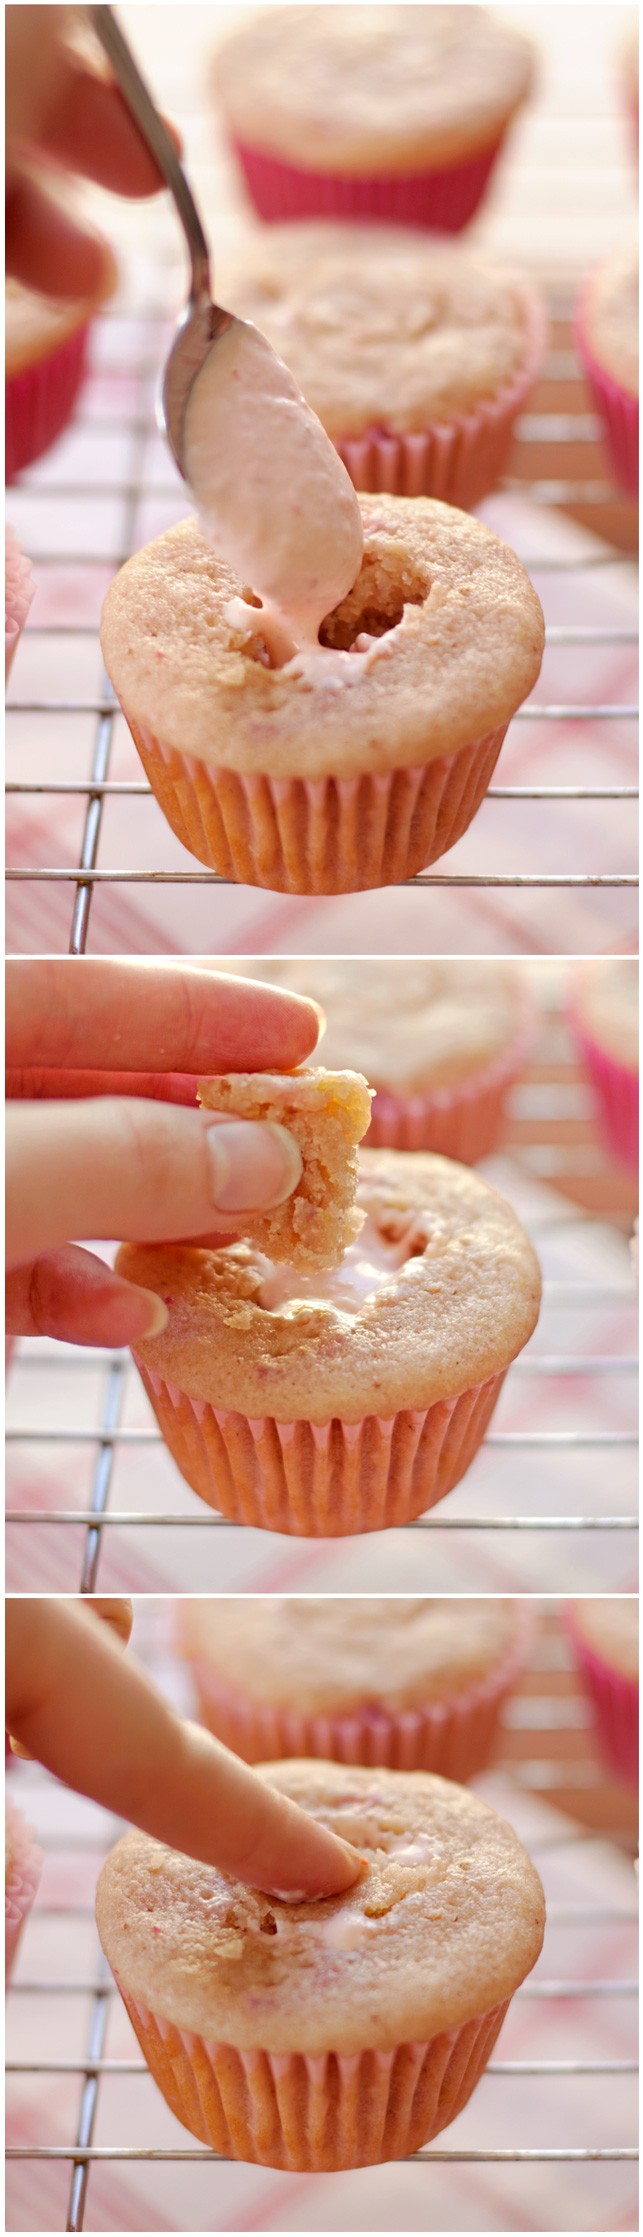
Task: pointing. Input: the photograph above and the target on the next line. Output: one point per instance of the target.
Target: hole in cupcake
(268, 1924)
(375, 605)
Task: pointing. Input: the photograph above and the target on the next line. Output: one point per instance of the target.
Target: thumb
(146, 1172)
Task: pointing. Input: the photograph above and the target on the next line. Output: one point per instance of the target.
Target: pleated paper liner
(330, 1481)
(314, 2115)
(331, 835)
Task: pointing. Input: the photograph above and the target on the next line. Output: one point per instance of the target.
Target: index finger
(102, 1013)
(95, 1720)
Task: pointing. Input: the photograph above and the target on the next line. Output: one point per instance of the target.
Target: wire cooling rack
(78, 838)
(562, 2086)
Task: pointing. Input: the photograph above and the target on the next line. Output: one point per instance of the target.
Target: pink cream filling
(370, 1265)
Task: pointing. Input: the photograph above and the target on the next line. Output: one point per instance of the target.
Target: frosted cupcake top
(381, 327)
(445, 1922)
(327, 1655)
(435, 647)
(360, 88)
(439, 1292)
(611, 1629)
(606, 1003)
(611, 319)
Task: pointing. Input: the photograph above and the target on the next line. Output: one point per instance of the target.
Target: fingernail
(321, 1015)
(254, 1165)
(157, 1315)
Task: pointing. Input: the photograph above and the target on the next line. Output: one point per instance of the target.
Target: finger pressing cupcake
(336, 2034)
(326, 1404)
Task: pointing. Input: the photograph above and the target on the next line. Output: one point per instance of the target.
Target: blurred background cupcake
(607, 332)
(628, 71)
(22, 1862)
(45, 357)
(396, 113)
(19, 588)
(416, 357)
(441, 1046)
(605, 1639)
(417, 1685)
(604, 1017)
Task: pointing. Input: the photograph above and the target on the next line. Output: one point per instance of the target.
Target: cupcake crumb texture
(327, 1113)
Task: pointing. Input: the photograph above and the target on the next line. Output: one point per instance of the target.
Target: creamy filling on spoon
(272, 495)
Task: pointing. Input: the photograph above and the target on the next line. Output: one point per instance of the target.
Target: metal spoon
(202, 320)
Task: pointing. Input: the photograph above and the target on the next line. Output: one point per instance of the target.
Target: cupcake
(324, 1405)
(607, 332)
(415, 357)
(326, 1113)
(22, 1865)
(394, 113)
(604, 1020)
(336, 2034)
(417, 1685)
(19, 588)
(442, 1042)
(605, 1639)
(327, 775)
(45, 357)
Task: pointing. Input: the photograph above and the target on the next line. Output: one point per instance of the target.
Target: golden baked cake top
(438, 1293)
(455, 640)
(330, 1655)
(363, 88)
(379, 326)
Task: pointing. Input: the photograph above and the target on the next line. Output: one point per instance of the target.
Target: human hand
(65, 115)
(103, 1057)
(93, 1718)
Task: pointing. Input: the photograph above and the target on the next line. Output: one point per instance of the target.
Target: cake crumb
(327, 1113)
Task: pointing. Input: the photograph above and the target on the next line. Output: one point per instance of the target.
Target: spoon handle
(157, 138)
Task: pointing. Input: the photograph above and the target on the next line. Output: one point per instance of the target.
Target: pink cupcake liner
(455, 1737)
(615, 1703)
(332, 835)
(20, 1884)
(618, 411)
(617, 1096)
(464, 1122)
(440, 201)
(39, 401)
(458, 463)
(19, 588)
(314, 2115)
(332, 1480)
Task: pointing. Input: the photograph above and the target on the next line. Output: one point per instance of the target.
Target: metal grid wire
(590, 496)
(545, 1722)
